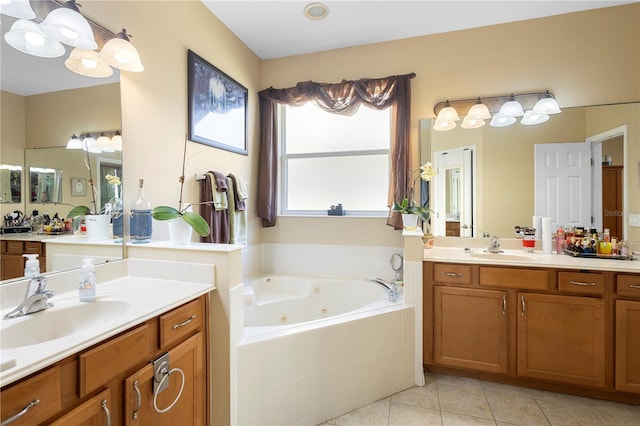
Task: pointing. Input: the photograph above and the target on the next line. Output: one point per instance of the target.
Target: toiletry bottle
(31, 266)
(87, 283)
(140, 225)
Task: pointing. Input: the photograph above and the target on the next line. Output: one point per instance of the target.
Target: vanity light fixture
(505, 110)
(103, 143)
(68, 26)
(74, 143)
(316, 11)
(17, 9)
(120, 53)
(446, 119)
(86, 62)
(27, 37)
(116, 141)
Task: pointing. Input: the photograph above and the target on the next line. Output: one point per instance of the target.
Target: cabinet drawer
(452, 273)
(628, 285)
(15, 247)
(33, 247)
(581, 282)
(525, 279)
(181, 322)
(101, 364)
(44, 387)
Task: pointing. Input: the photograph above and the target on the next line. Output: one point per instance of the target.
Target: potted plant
(182, 215)
(407, 207)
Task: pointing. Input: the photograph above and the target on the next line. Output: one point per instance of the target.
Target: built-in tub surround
(129, 292)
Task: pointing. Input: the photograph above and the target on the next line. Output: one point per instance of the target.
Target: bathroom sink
(57, 322)
(503, 257)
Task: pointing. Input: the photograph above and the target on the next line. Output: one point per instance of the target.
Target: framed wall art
(217, 107)
(78, 187)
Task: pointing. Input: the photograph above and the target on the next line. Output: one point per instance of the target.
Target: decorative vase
(97, 226)
(179, 231)
(409, 221)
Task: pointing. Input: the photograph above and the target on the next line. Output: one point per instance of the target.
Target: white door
(453, 190)
(563, 183)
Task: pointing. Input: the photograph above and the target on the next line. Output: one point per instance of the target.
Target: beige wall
(583, 58)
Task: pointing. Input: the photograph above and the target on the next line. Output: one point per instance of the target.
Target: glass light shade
(103, 143)
(479, 111)
(68, 26)
(443, 126)
(75, 143)
(116, 142)
(86, 62)
(17, 8)
(472, 123)
(90, 145)
(511, 108)
(502, 121)
(26, 37)
(532, 117)
(547, 105)
(120, 53)
(448, 113)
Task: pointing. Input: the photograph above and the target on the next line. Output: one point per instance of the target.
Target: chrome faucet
(35, 299)
(494, 245)
(389, 287)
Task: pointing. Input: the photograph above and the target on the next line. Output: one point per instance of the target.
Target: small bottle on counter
(87, 282)
(140, 226)
(31, 266)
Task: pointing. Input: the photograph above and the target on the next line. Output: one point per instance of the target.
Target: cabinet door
(627, 346)
(189, 407)
(94, 411)
(470, 328)
(562, 338)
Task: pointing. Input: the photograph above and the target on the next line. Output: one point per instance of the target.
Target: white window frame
(283, 172)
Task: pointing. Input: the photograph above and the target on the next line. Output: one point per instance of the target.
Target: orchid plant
(425, 172)
(194, 220)
(79, 211)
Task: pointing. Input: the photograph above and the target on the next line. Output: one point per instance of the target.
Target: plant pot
(179, 232)
(409, 221)
(97, 226)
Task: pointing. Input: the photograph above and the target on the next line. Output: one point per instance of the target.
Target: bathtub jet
(389, 287)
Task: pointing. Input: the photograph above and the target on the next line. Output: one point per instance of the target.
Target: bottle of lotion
(87, 283)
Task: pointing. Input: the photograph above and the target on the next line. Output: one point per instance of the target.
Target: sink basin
(503, 256)
(58, 322)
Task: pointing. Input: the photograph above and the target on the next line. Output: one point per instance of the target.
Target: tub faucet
(389, 287)
(494, 245)
(35, 299)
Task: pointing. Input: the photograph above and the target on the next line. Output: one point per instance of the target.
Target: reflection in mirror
(45, 185)
(504, 187)
(10, 183)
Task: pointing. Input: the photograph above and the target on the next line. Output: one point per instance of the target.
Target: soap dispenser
(87, 284)
(31, 266)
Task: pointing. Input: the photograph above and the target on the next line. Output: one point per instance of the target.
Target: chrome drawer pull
(504, 304)
(138, 401)
(22, 412)
(452, 274)
(106, 411)
(634, 285)
(582, 283)
(182, 324)
(523, 308)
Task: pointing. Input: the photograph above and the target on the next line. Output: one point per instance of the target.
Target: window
(330, 158)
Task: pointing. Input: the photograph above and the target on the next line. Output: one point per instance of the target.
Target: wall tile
(311, 399)
(249, 368)
(365, 337)
(276, 404)
(278, 358)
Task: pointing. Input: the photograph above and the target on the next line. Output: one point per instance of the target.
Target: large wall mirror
(43, 105)
(504, 187)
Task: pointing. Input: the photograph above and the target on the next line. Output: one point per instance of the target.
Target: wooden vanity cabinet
(627, 332)
(543, 327)
(83, 388)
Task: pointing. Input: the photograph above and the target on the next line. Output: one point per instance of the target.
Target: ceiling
(274, 29)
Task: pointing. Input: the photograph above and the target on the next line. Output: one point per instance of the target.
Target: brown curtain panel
(339, 98)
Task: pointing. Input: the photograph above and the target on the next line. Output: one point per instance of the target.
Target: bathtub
(317, 347)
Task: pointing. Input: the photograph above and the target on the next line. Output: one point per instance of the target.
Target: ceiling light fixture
(506, 109)
(17, 9)
(68, 26)
(86, 62)
(26, 37)
(120, 53)
(316, 11)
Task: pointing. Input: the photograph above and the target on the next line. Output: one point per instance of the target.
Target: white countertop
(536, 259)
(147, 297)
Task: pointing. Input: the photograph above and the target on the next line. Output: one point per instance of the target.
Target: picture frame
(78, 187)
(217, 107)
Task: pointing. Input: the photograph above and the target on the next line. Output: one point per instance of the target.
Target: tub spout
(389, 288)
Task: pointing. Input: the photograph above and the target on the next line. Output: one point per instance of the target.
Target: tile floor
(459, 401)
